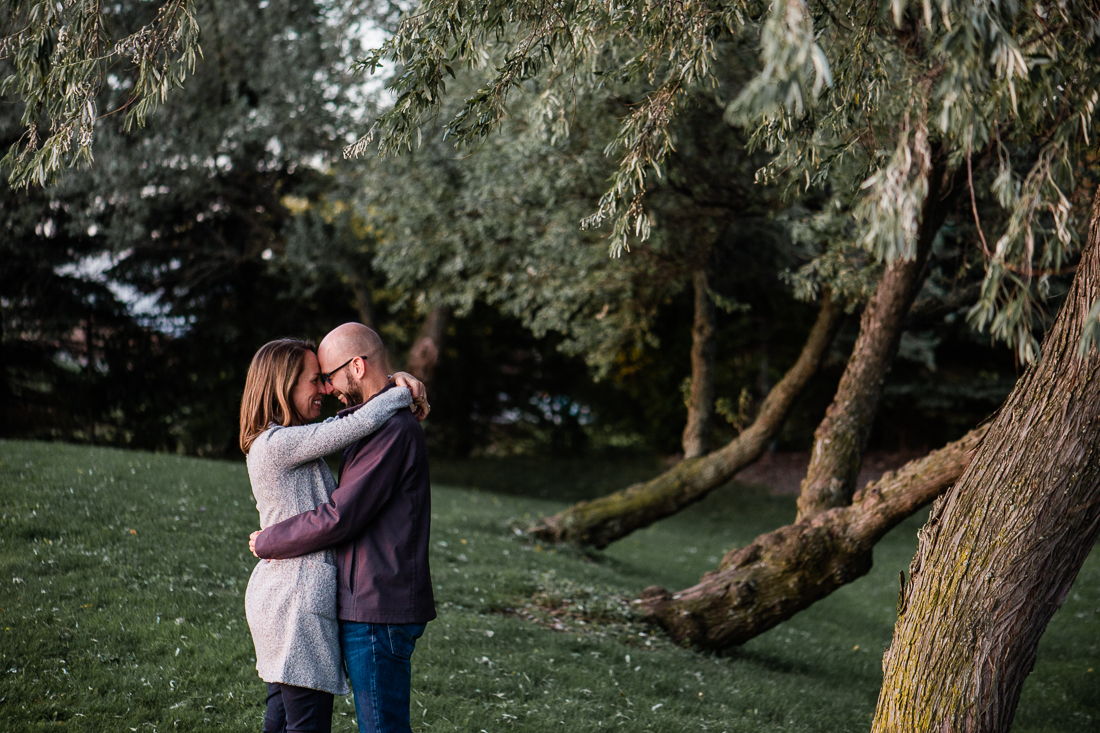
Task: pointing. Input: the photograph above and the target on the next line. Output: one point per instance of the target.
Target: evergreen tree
(188, 219)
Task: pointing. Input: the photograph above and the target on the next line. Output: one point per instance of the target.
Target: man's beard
(354, 395)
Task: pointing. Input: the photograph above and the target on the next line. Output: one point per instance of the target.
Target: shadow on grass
(558, 479)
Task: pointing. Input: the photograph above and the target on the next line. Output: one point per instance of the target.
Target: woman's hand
(420, 407)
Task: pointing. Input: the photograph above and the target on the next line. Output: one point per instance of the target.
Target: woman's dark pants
(291, 709)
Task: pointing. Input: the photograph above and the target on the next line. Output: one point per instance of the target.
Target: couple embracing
(344, 585)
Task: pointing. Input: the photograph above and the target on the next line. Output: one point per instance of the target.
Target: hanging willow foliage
(58, 56)
(849, 98)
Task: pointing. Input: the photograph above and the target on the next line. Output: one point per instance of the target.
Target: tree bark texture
(1002, 548)
(364, 303)
(696, 438)
(841, 438)
(425, 351)
(600, 522)
(782, 572)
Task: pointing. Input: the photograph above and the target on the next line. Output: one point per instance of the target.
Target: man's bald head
(346, 341)
(363, 377)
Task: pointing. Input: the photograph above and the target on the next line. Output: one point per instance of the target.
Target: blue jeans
(377, 658)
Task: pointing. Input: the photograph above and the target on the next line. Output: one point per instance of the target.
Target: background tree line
(135, 291)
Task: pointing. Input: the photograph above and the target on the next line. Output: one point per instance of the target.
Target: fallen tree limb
(600, 522)
(785, 571)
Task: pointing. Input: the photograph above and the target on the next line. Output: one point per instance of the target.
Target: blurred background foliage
(134, 291)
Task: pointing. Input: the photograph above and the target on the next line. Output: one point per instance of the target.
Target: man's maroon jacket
(378, 522)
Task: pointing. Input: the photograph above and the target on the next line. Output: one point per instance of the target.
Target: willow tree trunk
(425, 351)
(785, 571)
(696, 438)
(1002, 548)
(600, 522)
(841, 438)
(360, 288)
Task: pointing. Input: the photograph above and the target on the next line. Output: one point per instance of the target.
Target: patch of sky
(370, 93)
(150, 191)
(145, 308)
(555, 407)
(116, 83)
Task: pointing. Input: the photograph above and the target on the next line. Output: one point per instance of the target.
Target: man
(378, 519)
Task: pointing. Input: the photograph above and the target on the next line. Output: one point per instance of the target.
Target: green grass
(123, 579)
(559, 479)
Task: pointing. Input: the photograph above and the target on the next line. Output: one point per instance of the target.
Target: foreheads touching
(352, 359)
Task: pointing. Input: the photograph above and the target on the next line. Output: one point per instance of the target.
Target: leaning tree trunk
(696, 439)
(841, 438)
(785, 571)
(1002, 548)
(601, 522)
(425, 351)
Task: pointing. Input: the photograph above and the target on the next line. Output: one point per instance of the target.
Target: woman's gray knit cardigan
(291, 604)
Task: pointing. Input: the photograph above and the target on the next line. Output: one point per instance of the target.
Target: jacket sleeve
(366, 485)
(294, 446)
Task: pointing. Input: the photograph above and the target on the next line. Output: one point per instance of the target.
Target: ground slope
(122, 577)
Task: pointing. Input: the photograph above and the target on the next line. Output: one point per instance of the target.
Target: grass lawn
(122, 578)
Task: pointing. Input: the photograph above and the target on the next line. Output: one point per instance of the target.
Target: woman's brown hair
(268, 386)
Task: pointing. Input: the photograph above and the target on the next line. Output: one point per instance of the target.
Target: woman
(291, 604)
